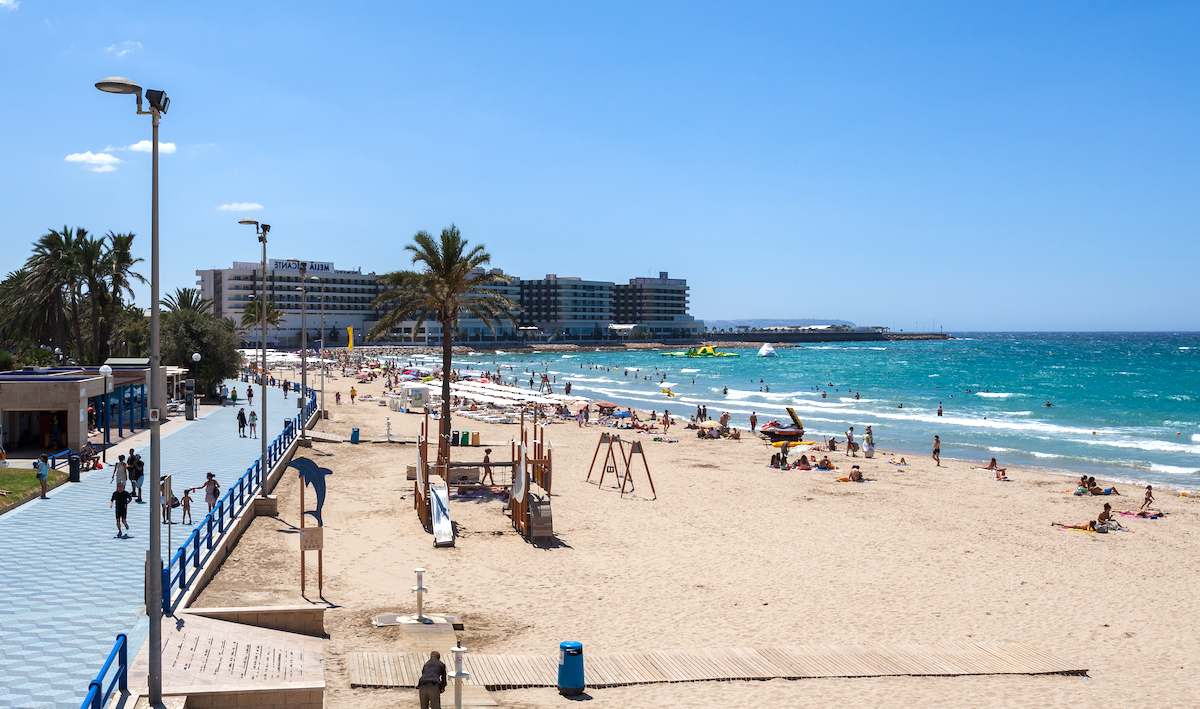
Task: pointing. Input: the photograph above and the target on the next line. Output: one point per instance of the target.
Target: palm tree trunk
(447, 353)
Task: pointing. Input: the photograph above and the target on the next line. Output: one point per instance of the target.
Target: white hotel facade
(347, 297)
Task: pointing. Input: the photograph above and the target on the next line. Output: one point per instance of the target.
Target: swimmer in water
(1047, 404)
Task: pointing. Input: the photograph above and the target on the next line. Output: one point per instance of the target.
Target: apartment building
(346, 296)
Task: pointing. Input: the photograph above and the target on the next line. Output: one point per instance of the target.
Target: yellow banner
(351, 331)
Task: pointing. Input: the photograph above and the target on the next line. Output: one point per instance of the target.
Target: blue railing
(54, 459)
(98, 694)
(176, 579)
(181, 571)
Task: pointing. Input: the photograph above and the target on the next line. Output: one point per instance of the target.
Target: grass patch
(20, 482)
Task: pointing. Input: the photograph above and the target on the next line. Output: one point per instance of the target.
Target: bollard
(420, 591)
(570, 669)
(460, 675)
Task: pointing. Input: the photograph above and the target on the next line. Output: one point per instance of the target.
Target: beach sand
(736, 554)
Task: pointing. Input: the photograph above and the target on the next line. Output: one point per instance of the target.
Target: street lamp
(321, 356)
(195, 400)
(158, 107)
(262, 230)
(303, 266)
(106, 372)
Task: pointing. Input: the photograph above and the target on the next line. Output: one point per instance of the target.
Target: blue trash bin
(570, 669)
(354, 435)
(454, 438)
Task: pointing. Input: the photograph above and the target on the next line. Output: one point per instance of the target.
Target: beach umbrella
(709, 424)
(606, 404)
(621, 415)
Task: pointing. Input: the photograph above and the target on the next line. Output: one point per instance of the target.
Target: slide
(439, 505)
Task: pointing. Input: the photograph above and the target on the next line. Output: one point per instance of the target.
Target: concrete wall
(305, 620)
(266, 698)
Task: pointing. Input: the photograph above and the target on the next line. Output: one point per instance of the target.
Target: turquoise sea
(1125, 405)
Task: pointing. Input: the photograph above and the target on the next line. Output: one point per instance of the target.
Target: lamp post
(195, 399)
(262, 230)
(154, 608)
(303, 266)
(321, 356)
(106, 372)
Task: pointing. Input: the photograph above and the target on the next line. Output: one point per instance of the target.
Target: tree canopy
(450, 283)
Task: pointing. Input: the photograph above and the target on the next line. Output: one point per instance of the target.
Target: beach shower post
(420, 590)
(460, 675)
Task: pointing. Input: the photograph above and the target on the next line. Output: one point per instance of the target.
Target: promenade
(68, 586)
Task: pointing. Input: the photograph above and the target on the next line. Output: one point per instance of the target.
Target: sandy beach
(733, 553)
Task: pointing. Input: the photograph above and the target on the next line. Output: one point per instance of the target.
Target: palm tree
(187, 299)
(450, 284)
(117, 267)
(54, 281)
(252, 314)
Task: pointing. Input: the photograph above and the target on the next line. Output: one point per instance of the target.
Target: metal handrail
(98, 694)
(228, 507)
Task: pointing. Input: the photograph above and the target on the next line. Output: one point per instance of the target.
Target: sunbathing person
(993, 465)
(825, 464)
(1144, 514)
(856, 476)
(775, 461)
(803, 464)
(1089, 527)
(893, 461)
(1097, 490)
(1105, 514)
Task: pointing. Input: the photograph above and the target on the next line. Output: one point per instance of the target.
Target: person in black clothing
(121, 498)
(241, 423)
(135, 470)
(432, 682)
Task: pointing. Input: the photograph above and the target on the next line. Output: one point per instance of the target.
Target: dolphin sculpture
(315, 476)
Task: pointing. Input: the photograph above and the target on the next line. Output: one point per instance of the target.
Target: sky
(957, 166)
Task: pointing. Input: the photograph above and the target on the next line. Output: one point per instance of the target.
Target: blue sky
(1003, 166)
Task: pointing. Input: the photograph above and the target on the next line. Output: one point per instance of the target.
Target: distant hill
(784, 322)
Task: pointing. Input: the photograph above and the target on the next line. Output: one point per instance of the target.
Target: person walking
(233, 396)
(121, 499)
(43, 473)
(250, 396)
(253, 421)
(241, 418)
(211, 490)
(120, 473)
(937, 451)
(353, 394)
(224, 394)
(753, 421)
(432, 682)
(135, 471)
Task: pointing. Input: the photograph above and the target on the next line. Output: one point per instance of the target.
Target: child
(186, 502)
(487, 467)
(1149, 497)
(121, 498)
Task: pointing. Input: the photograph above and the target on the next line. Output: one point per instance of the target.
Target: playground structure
(532, 464)
(620, 462)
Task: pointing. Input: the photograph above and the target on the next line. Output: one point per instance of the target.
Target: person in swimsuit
(937, 451)
(1149, 497)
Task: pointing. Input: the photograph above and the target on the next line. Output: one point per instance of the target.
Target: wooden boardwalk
(391, 669)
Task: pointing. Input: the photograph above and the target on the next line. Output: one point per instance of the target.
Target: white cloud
(240, 207)
(9, 4)
(146, 146)
(96, 162)
(123, 48)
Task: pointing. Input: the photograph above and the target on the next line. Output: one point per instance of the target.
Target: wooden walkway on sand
(391, 669)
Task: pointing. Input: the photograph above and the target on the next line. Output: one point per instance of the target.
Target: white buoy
(420, 590)
(460, 675)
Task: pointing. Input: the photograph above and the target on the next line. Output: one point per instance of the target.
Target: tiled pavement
(68, 586)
